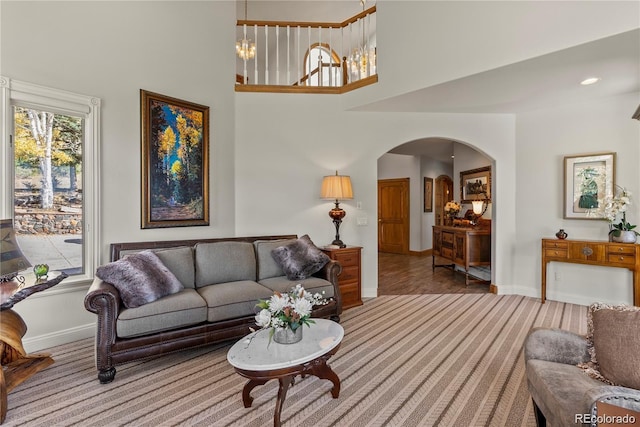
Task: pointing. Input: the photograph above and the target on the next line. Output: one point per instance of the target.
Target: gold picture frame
(428, 194)
(175, 162)
(588, 180)
(475, 184)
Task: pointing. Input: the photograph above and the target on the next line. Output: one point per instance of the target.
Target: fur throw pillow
(140, 278)
(300, 259)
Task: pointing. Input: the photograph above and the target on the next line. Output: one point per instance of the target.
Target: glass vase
(287, 336)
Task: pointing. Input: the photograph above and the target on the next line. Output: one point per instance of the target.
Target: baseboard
(493, 289)
(426, 252)
(53, 339)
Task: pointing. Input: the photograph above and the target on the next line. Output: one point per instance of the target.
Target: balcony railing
(308, 57)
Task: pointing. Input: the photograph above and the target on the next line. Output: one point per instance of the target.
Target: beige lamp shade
(336, 187)
(11, 258)
(477, 206)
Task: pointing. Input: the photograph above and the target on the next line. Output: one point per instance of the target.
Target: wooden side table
(18, 366)
(350, 278)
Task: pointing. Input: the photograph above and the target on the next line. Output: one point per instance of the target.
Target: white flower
(263, 319)
(302, 307)
(278, 303)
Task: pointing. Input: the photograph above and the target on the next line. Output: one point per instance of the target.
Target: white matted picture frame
(588, 180)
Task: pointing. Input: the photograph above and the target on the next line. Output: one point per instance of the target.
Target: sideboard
(464, 247)
(592, 252)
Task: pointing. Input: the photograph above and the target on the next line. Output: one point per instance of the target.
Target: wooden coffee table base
(317, 367)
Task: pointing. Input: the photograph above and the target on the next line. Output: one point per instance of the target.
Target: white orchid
(263, 319)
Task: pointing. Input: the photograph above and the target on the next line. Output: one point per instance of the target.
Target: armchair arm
(624, 397)
(556, 345)
(330, 272)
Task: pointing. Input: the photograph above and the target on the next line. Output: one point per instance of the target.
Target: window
(50, 175)
(322, 66)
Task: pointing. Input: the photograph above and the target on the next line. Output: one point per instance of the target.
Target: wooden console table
(465, 247)
(592, 252)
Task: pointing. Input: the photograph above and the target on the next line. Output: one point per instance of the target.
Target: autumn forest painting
(175, 162)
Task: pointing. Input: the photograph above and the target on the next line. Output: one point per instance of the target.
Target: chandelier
(244, 47)
(359, 58)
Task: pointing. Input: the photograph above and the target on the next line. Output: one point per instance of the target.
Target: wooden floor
(409, 274)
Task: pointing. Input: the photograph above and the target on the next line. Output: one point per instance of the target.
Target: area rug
(410, 360)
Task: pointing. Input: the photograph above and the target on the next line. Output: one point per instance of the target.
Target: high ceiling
(549, 80)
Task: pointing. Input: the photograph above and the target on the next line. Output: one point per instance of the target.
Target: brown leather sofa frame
(104, 300)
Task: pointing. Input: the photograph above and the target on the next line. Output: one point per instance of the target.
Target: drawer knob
(620, 249)
(621, 258)
(587, 251)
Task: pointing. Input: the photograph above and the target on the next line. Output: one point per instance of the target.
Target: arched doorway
(413, 273)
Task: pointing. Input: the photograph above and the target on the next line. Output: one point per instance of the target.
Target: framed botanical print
(428, 194)
(175, 162)
(588, 180)
(475, 184)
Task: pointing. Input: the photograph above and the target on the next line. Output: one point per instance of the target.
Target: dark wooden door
(393, 215)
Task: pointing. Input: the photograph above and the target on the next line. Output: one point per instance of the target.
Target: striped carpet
(410, 360)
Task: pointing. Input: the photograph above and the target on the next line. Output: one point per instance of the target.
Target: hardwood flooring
(409, 274)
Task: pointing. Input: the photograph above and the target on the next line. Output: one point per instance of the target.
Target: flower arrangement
(290, 310)
(452, 208)
(614, 206)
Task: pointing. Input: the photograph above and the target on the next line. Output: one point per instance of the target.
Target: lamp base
(338, 243)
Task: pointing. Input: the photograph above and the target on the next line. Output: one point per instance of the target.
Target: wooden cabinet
(464, 247)
(349, 279)
(605, 254)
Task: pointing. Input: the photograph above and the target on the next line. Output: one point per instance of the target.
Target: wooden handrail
(316, 71)
(303, 24)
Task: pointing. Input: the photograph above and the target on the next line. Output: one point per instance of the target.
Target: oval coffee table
(254, 358)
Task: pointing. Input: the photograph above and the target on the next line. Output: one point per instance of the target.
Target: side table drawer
(556, 253)
(556, 245)
(626, 249)
(621, 259)
(348, 258)
(351, 272)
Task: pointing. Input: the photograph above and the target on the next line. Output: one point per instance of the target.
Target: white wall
(544, 137)
(292, 159)
(462, 38)
(111, 50)
(467, 158)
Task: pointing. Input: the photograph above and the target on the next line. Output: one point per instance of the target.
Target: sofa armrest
(556, 345)
(330, 273)
(104, 300)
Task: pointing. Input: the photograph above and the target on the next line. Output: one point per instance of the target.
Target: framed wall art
(175, 162)
(428, 194)
(475, 184)
(588, 179)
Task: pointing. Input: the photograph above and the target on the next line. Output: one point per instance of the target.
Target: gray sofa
(561, 390)
(223, 280)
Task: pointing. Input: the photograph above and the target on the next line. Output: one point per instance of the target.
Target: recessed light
(590, 81)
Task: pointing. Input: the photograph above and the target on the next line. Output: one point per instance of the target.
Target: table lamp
(479, 208)
(337, 187)
(12, 260)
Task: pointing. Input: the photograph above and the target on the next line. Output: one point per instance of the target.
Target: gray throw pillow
(140, 278)
(300, 259)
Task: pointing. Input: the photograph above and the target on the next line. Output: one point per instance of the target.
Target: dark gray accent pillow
(140, 278)
(300, 259)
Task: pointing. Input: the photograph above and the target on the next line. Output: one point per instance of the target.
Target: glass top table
(259, 360)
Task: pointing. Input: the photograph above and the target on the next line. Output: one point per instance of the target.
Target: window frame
(15, 92)
(329, 50)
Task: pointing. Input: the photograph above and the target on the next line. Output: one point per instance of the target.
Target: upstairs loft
(306, 57)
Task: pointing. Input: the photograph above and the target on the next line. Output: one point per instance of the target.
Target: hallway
(407, 274)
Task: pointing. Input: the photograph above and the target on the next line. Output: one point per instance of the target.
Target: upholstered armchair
(563, 393)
